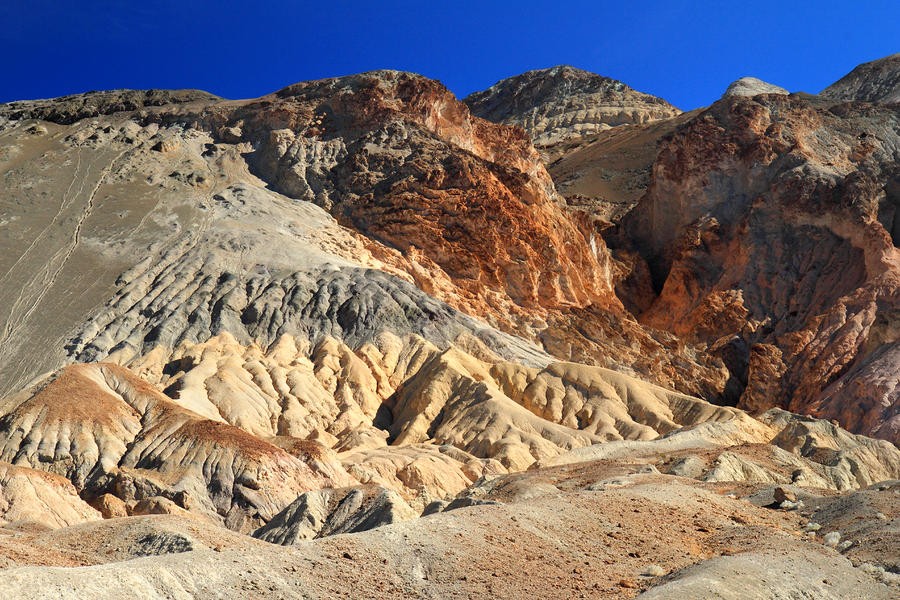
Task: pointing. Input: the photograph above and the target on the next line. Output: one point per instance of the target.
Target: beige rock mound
(407, 391)
(106, 430)
(780, 447)
(420, 473)
(751, 86)
(32, 496)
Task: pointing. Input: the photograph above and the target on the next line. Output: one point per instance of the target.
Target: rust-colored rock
(399, 158)
(770, 232)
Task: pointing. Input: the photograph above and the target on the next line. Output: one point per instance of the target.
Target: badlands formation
(360, 338)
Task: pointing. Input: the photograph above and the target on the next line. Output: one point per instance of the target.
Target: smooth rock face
(751, 86)
(563, 102)
(28, 495)
(876, 81)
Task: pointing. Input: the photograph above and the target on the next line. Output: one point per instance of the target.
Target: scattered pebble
(654, 571)
(881, 516)
(812, 526)
(832, 538)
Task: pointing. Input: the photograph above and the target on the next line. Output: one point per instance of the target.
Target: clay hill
(359, 337)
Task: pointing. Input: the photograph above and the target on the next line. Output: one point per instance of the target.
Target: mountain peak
(751, 86)
(563, 102)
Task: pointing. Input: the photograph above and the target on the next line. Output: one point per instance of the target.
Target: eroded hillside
(233, 330)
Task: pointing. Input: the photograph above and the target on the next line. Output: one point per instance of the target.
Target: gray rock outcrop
(563, 102)
(876, 81)
(326, 512)
(751, 86)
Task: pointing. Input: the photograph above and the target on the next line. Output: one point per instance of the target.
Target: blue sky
(685, 52)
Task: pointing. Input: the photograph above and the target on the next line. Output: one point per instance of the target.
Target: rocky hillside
(556, 104)
(232, 330)
(770, 235)
(876, 81)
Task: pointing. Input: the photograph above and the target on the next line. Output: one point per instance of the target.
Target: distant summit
(564, 102)
(751, 86)
(876, 81)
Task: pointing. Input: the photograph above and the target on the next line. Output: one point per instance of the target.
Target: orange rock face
(466, 208)
(769, 230)
(468, 204)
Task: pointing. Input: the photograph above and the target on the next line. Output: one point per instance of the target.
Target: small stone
(782, 494)
(110, 506)
(232, 135)
(166, 145)
(627, 583)
(813, 526)
(654, 571)
(832, 538)
(881, 516)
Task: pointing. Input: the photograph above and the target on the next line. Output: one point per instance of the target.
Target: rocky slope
(590, 528)
(353, 319)
(135, 245)
(876, 81)
(556, 104)
(769, 235)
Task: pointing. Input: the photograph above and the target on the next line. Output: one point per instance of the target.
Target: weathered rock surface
(32, 496)
(876, 81)
(69, 109)
(286, 292)
(179, 246)
(606, 173)
(398, 158)
(329, 512)
(553, 105)
(769, 236)
(398, 413)
(585, 541)
(107, 431)
(751, 86)
(778, 448)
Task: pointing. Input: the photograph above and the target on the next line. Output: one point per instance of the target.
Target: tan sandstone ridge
(101, 430)
(243, 431)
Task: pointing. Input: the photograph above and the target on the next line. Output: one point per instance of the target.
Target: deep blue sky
(685, 52)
